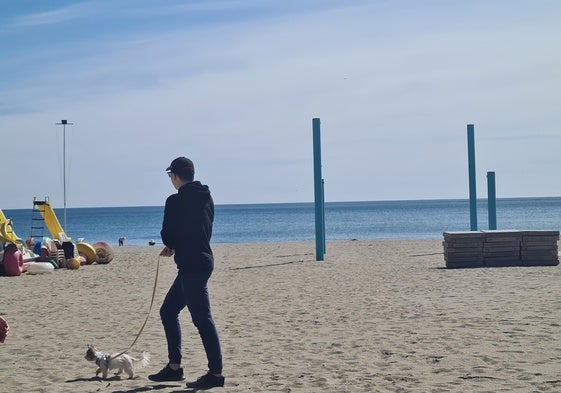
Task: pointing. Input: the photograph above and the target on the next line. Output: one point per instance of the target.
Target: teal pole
(492, 200)
(471, 167)
(318, 192)
(323, 213)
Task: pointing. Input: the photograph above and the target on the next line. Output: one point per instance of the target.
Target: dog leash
(147, 316)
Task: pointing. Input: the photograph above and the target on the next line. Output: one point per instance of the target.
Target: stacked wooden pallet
(501, 248)
(539, 248)
(463, 249)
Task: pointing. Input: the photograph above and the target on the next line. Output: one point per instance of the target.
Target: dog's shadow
(83, 379)
(98, 378)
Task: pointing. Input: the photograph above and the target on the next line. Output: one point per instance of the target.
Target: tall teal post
(318, 192)
(471, 167)
(491, 200)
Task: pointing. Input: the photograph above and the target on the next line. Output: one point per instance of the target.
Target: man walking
(186, 233)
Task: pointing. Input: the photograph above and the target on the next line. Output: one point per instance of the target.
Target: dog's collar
(102, 359)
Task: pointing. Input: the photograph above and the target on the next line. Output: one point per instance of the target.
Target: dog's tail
(142, 360)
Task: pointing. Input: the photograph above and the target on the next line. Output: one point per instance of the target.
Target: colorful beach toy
(87, 251)
(74, 263)
(40, 267)
(104, 252)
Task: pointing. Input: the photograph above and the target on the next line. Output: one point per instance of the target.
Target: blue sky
(234, 85)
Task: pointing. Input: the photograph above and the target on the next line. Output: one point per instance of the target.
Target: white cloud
(64, 14)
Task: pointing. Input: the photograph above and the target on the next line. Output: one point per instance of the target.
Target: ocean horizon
(286, 222)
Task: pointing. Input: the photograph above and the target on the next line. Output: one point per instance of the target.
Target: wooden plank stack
(539, 248)
(463, 249)
(500, 248)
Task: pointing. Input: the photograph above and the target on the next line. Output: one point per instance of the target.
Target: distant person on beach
(4, 330)
(121, 241)
(186, 232)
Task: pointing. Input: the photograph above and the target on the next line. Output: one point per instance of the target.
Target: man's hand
(167, 252)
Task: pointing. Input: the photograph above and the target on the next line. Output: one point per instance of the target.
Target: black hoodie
(187, 227)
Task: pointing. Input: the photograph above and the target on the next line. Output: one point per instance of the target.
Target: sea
(294, 222)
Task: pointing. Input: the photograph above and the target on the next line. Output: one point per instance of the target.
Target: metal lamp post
(64, 123)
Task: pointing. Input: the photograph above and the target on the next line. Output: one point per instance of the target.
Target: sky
(234, 85)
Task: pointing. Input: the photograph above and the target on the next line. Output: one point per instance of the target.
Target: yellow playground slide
(7, 234)
(51, 221)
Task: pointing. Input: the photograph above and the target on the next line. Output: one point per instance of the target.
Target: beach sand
(375, 316)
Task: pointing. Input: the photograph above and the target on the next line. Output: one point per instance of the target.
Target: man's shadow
(156, 387)
(135, 390)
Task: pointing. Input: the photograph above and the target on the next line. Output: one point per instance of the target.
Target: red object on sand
(4, 329)
(13, 261)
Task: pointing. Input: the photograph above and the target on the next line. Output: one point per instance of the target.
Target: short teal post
(471, 167)
(492, 200)
(318, 192)
(323, 213)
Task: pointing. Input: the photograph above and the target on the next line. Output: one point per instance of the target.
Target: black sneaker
(167, 374)
(207, 381)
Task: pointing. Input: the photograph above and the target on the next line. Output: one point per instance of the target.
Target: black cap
(182, 166)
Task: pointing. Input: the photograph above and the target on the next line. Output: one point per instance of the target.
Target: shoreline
(311, 242)
(374, 316)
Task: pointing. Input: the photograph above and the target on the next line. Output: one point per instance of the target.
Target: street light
(64, 123)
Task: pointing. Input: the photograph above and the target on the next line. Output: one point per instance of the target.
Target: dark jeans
(191, 291)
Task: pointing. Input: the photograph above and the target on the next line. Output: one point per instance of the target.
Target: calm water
(295, 221)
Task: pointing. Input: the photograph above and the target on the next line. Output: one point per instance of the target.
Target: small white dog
(120, 363)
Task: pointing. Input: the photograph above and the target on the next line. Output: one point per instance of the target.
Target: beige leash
(147, 316)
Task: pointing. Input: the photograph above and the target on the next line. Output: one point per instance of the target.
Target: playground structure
(56, 251)
(50, 220)
(89, 253)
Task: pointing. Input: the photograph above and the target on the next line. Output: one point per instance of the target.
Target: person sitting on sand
(4, 330)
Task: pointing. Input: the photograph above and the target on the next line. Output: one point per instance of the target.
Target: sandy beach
(375, 316)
